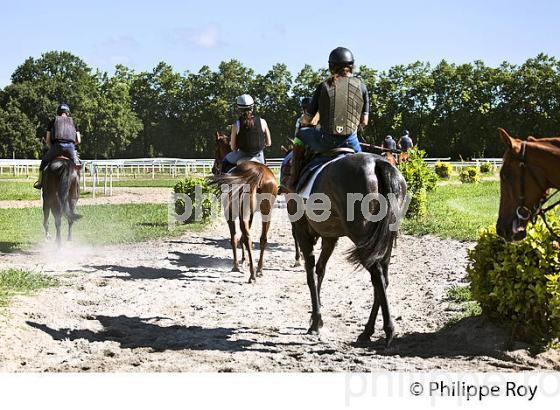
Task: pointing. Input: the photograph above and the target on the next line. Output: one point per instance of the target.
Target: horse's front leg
(58, 223)
(327, 248)
(246, 238)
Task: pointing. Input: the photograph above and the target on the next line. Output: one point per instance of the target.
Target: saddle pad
(305, 189)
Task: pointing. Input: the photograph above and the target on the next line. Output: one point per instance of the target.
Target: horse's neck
(547, 155)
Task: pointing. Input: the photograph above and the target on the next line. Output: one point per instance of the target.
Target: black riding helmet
(305, 102)
(339, 58)
(62, 108)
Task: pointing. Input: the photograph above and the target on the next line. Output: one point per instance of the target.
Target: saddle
(320, 160)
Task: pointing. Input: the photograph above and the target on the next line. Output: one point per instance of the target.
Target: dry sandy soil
(175, 305)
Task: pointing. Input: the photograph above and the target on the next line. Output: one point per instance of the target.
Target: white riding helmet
(245, 101)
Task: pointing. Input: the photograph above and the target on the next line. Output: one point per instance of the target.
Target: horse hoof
(252, 279)
(313, 332)
(259, 274)
(235, 269)
(389, 333)
(296, 264)
(363, 338)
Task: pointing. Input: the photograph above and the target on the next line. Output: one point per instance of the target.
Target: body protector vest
(406, 143)
(341, 105)
(251, 140)
(389, 143)
(64, 129)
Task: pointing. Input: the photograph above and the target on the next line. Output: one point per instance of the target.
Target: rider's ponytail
(340, 73)
(247, 119)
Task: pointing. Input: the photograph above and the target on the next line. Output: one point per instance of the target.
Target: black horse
(61, 190)
(355, 176)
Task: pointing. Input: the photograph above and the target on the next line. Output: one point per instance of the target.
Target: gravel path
(174, 305)
(121, 195)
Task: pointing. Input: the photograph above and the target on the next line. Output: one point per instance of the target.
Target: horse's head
(222, 149)
(521, 189)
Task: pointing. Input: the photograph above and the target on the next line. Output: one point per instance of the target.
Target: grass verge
(458, 211)
(101, 225)
(16, 282)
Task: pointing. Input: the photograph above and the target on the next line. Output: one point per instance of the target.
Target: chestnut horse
(529, 170)
(242, 204)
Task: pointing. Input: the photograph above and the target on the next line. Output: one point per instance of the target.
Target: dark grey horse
(61, 190)
(354, 176)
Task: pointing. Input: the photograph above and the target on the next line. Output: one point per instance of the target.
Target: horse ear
(217, 135)
(510, 142)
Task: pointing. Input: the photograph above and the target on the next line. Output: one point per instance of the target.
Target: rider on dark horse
(405, 143)
(249, 135)
(62, 138)
(342, 102)
(389, 143)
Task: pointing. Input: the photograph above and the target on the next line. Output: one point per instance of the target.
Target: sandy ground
(121, 195)
(174, 305)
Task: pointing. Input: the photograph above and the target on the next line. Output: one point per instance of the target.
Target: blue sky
(190, 34)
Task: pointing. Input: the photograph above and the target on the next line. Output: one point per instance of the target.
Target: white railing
(104, 172)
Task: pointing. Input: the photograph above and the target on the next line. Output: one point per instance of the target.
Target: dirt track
(174, 305)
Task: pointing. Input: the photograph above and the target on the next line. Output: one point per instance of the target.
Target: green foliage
(486, 168)
(443, 169)
(15, 281)
(519, 282)
(469, 175)
(420, 179)
(201, 194)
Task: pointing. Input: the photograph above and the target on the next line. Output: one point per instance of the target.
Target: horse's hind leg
(57, 223)
(327, 248)
(379, 279)
(233, 241)
(297, 262)
(46, 212)
(246, 237)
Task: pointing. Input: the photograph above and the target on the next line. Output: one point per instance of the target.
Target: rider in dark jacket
(62, 138)
(342, 102)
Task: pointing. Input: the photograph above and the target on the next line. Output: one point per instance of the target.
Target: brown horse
(529, 170)
(242, 203)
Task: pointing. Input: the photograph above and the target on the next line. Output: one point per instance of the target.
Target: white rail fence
(102, 173)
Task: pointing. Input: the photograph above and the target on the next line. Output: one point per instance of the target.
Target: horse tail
(244, 174)
(380, 236)
(64, 172)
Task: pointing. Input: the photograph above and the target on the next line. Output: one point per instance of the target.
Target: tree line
(450, 110)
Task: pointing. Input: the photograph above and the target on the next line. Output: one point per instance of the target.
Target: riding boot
(298, 161)
(39, 183)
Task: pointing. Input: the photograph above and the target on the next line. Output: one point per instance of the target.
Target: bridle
(522, 211)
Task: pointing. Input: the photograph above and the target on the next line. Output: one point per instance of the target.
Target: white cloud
(205, 37)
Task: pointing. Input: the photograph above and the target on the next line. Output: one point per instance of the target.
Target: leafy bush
(204, 199)
(469, 175)
(519, 282)
(486, 167)
(443, 169)
(420, 179)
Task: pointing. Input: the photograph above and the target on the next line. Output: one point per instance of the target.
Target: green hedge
(486, 167)
(519, 282)
(420, 179)
(443, 169)
(469, 175)
(189, 186)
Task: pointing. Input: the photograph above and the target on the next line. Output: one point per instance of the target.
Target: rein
(522, 211)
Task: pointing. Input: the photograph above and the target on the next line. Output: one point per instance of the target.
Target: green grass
(162, 182)
(23, 190)
(14, 282)
(461, 297)
(101, 225)
(17, 191)
(459, 294)
(458, 211)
